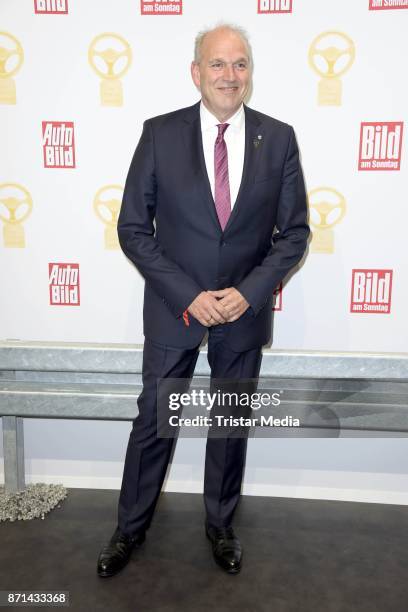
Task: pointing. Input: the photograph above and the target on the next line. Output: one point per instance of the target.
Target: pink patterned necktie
(222, 195)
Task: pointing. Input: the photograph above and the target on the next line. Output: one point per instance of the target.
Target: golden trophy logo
(331, 62)
(9, 65)
(107, 202)
(13, 199)
(110, 63)
(327, 209)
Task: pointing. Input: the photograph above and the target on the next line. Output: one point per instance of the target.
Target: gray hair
(198, 43)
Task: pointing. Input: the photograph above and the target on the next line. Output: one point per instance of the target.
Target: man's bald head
(223, 28)
(222, 69)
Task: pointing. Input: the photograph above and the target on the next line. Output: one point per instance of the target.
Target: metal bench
(365, 392)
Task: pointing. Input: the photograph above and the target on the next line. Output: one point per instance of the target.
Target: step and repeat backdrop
(79, 77)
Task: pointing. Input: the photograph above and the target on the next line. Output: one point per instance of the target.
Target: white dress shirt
(234, 137)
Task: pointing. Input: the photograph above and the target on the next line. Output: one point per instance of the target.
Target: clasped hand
(218, 306)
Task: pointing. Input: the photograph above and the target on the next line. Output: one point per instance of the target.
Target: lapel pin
(257, 141)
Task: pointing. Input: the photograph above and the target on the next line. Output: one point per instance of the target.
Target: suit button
(223, 243)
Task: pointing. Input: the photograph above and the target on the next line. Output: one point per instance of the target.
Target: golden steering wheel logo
(11, 59)
(107, 202)
(110, 57)
(15, 206)
(327, 208)
(331, 54)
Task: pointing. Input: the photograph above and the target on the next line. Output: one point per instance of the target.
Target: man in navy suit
(213, 216)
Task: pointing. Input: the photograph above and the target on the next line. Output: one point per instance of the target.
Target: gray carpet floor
(299, 556)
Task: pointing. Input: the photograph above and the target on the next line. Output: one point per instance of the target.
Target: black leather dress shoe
(115, 555)
(226, 547)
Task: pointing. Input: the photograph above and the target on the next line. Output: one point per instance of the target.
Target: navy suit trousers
(148, 455)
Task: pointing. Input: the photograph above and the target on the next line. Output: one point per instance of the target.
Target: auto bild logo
(380, 145)
(274, 6)
(52, 7)
(58, 144)
(371, 291)
(161, 7)
(381, 5)
(64, 284)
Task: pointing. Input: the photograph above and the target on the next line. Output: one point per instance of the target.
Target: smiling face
(223, 74)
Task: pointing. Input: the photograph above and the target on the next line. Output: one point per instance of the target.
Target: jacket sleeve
(136, 231)
(289, 241)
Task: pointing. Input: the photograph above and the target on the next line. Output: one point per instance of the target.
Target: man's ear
(195, 74)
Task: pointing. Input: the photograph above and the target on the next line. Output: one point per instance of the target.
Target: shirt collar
(209, 121)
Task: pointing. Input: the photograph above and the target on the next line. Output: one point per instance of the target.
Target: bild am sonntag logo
(380, 145)
(371, 291)
(274, 6)
(51, 7)
(381, 5)
(161, 7)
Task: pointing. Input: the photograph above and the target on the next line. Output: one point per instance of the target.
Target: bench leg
(13, 446)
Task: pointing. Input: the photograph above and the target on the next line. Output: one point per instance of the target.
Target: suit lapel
(251, 157)
(193, 141)
(195, 158)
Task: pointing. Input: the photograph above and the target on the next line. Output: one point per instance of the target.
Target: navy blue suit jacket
(168, 225)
